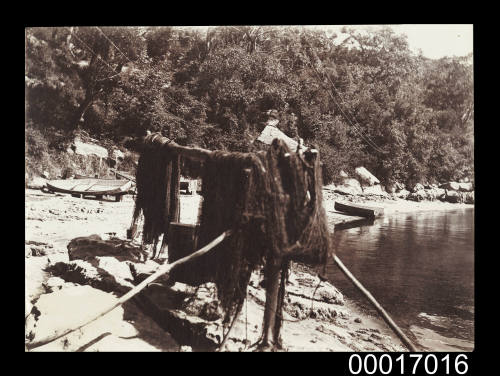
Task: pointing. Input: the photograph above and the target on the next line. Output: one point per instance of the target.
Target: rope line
(352, 116)
(358, 131)
(130, 61)
(92, 51)
(114, 45)
(350, 119)
(117, 74)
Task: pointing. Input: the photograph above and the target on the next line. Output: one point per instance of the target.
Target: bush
(36, 143)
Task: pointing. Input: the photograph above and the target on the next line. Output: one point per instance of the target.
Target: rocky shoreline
(77, 261)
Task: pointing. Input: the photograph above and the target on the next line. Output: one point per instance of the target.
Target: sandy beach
(62, 288)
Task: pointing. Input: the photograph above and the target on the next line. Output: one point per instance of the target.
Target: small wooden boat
(90, 187)
(359, 210)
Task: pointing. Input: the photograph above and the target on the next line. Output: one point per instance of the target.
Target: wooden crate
(182, 241)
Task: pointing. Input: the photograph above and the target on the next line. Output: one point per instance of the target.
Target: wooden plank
(359, 210)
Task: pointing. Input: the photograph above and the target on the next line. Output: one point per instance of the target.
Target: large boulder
(399, 186)
(438, 193)
(469, 197)
(403, 193)
(465, 187)
(418, 196)
(452, 186)
(270, 133)
(37, 183)
(89, 247)
(349, 187)
(453, 196)
(374, 190)
(100, 274)
(366, 177)
(391, 187)
(87, 149)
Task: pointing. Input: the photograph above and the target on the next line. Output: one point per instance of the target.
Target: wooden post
(273, 274)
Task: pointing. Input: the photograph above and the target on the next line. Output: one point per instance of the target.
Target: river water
(420, 268)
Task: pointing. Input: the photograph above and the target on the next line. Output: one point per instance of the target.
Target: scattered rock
(465, 187)
(417, 187)
(54, 284)
(403, 193)
(84, 273)
(27, 251)
(418, 196)
(366, 177)
(330, 294)
(122, 329)
(37, 183)
(87, 149)
(452, 186)
(391, 187)
(54, 258)
(204, 303)
(89, 247)
(452, 196)
(350, 187)
(469, 197)
(375, 190)
(35, 276)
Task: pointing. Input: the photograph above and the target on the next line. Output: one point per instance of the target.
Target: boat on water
(359, 210)
(91, 187)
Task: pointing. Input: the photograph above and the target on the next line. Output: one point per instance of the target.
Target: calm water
(420, 267)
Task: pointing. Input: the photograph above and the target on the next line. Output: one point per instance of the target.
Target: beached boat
(90, 187)
(359, 210)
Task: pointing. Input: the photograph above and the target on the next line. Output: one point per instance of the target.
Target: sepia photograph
(250, 188)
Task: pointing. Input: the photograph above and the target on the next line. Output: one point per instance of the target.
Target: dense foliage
(363, 98)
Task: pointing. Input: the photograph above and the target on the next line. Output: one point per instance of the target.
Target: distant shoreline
(391, 206)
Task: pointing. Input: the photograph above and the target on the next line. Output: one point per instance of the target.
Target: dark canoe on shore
(359, 210)
(90, 186)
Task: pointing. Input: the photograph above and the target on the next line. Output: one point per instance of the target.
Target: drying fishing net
(157, 179)
(272, 201)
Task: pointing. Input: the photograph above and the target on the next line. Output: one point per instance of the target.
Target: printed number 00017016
(370, 364)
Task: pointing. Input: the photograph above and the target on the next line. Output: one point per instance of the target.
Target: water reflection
(419, 266)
